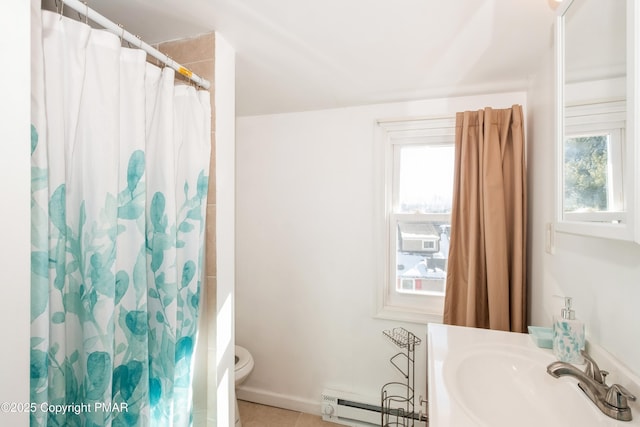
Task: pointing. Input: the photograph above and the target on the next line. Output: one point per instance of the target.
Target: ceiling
(295, 55)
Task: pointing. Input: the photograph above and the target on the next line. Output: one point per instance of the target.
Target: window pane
(587, 180)
(421, 256)
(425, 179)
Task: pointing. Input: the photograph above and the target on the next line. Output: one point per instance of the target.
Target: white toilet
(243, 367)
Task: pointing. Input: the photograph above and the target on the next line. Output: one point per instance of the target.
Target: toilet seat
(244, 357)
(243, 368)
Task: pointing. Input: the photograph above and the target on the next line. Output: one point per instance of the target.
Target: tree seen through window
(586, 172)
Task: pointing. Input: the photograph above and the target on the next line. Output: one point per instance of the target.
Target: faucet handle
(617, 396)
(592, 369)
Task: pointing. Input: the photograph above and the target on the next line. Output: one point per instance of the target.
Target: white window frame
(598, 119)
(389, 135)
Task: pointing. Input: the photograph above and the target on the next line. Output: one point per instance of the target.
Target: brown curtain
(486, 272)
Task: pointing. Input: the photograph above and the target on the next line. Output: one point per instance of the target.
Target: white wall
(14, 193)
(602, 275)
(306, 265)
(221, 406)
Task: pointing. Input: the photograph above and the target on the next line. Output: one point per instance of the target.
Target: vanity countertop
(480, 377)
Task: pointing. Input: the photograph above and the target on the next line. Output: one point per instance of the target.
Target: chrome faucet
(612, 401)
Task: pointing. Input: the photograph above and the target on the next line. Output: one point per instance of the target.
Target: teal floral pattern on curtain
(119, 187)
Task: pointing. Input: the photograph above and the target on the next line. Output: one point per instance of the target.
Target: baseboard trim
(200, 418)
(278, 400)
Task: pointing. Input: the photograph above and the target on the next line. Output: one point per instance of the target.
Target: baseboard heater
(353, 410)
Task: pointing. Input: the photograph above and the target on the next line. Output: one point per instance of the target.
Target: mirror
(595, 143)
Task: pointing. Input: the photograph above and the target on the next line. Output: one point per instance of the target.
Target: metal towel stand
(398, 398)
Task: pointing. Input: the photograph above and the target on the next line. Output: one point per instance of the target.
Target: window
(593, 159)
(418, 182)
(429, 245)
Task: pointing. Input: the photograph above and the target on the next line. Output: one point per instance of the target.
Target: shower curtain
(120, 158)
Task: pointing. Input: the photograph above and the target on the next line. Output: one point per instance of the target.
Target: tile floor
(255, 415)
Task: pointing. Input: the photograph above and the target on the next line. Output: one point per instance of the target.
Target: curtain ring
(122, 33)
(86, 15)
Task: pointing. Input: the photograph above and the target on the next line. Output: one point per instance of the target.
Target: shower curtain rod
(84, 9)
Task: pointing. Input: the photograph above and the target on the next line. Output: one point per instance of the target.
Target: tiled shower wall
(197, 54)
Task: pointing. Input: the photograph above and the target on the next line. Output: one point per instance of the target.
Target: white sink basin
(489, 378)
(519, 387)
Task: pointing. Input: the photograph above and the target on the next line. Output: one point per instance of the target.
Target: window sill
(595, 229)
(406, 314)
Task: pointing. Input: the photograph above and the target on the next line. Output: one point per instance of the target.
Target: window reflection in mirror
(592, 147)
(593, 162)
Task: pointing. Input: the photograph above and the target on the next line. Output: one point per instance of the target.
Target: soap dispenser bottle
(568, 335)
